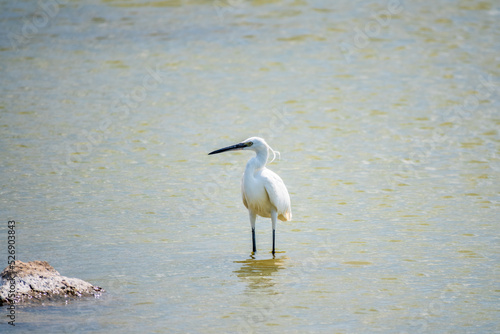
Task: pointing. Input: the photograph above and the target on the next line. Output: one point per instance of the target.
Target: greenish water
(386, 115)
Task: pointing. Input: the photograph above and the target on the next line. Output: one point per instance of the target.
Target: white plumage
(262, 190)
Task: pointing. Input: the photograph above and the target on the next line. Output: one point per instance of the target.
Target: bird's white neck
(257, 162)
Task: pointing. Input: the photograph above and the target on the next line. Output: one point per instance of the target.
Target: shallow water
(386, 115)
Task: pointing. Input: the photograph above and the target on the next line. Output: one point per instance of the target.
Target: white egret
(263, 191)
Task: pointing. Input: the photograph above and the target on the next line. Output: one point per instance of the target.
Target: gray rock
(37, 282)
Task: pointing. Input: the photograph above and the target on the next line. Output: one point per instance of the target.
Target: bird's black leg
(274, 238)
(253, 241)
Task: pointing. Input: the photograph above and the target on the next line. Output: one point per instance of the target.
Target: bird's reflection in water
(258, 273)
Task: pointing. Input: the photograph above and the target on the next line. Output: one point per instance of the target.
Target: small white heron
(263, 191)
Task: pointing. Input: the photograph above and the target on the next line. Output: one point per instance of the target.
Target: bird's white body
(262, 190)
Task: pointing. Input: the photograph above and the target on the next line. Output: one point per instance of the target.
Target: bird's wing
(278, 194)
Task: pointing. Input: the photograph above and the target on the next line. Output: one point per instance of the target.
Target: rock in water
(36, 282)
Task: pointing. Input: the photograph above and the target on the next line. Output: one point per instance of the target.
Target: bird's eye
(249, 144)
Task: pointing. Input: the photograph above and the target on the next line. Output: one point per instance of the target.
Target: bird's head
(256, 144)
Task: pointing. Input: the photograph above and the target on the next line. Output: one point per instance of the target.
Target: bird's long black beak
(239, 146)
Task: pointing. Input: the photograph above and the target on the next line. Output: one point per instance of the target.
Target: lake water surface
(386, 114)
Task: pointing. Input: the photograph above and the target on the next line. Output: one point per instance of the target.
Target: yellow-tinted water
(386, 117)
